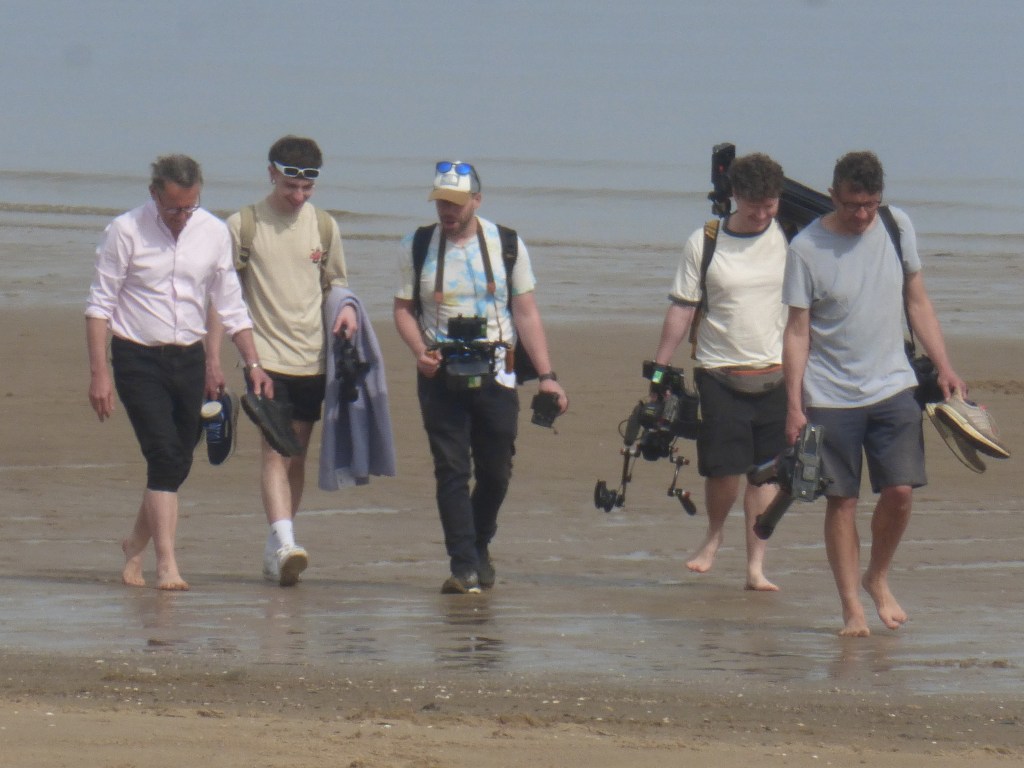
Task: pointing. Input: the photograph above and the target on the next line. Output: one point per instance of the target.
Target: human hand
(101, 395)
(348, 320)
(795, 421)
(429, 362)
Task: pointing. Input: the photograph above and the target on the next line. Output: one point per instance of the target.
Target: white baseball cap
(454, 181)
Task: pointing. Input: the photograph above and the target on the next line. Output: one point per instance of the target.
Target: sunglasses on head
(447, 166)
(294, 172)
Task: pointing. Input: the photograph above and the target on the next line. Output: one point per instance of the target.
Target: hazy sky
(106, 84)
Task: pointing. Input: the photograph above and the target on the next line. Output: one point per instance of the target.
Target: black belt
(159, 349)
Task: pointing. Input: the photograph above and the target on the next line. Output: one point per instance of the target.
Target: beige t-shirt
(283, 281)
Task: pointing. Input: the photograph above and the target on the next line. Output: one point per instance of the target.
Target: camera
(722, 156)
(467, 358)
(797, 470)
(349, 370)
(672, 413)
(545, 409)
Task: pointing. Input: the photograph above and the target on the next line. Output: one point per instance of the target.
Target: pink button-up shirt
(153, 289)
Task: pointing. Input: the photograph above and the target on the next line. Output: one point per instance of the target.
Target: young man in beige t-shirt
(284, 273)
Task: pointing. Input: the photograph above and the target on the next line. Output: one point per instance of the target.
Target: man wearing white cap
(464, 266)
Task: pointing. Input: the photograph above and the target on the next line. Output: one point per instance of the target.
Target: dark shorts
(889, 433)
(737, 430)
(305, 394)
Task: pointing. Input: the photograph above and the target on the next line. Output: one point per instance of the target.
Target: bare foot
(132, 573)
(889, 611)
(856, 625)
(705, 557)
(760, 584)
(174, 585)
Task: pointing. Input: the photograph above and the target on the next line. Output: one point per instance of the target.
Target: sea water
(591, 123)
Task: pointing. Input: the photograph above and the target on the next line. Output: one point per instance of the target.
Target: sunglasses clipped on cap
(447, 166)
(294, 172)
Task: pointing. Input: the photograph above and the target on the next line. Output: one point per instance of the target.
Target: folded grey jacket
(356, 440)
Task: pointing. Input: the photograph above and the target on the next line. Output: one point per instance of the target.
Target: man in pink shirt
(157, 269)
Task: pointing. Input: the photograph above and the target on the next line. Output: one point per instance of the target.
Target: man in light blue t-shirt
(846, 369)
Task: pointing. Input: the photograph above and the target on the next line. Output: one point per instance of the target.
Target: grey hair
(177, 169)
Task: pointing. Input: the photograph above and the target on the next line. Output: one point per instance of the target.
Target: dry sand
(597, 648)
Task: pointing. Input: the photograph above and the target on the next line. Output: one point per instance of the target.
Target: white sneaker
(291, 561)
(271, 570)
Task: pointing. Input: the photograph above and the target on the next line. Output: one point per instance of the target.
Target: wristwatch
(552, 376)
(254, 364)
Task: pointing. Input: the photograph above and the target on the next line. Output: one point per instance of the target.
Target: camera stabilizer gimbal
(797, 470)
(651, 431)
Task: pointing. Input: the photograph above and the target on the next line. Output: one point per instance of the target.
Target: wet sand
(597, 647)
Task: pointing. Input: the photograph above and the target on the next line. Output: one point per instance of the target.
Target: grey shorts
(889, 433)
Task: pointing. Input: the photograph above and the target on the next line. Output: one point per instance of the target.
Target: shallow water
(613, 617)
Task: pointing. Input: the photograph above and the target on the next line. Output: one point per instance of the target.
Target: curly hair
(297, 151)
(756, 177)
(860, 172)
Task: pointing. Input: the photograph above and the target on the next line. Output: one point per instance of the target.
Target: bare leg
(720, 494)
(162, 514)
(889, 522)
(842, 545)
(133, 547)
(755, 500)
(283, 478)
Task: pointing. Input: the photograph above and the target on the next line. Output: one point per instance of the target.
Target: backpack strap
(711, 229)
(509, 252)
(325, 224)
(246, 232)
(420, 243)
(889, 221)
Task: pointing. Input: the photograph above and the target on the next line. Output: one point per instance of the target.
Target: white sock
(284, 532)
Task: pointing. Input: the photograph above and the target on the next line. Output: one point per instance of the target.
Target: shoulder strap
(885, 214)
(889, 221)
(420, 243)
(711, 227)
(509, 254)
(246, 232)
(324, 223)
(710, 241)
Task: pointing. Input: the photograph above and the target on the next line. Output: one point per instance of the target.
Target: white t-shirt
(746, 316)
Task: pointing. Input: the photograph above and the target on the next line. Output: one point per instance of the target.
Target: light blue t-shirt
(853, 286)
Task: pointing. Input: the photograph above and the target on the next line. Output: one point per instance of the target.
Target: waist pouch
(746, 380)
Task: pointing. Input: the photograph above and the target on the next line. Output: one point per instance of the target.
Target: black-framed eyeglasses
(869, 206)
(189, 209)
(294, 172)
(447, 166)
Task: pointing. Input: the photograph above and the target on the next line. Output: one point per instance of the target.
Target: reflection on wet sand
(473, 641)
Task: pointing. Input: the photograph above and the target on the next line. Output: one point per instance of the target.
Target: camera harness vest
(520, 360)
